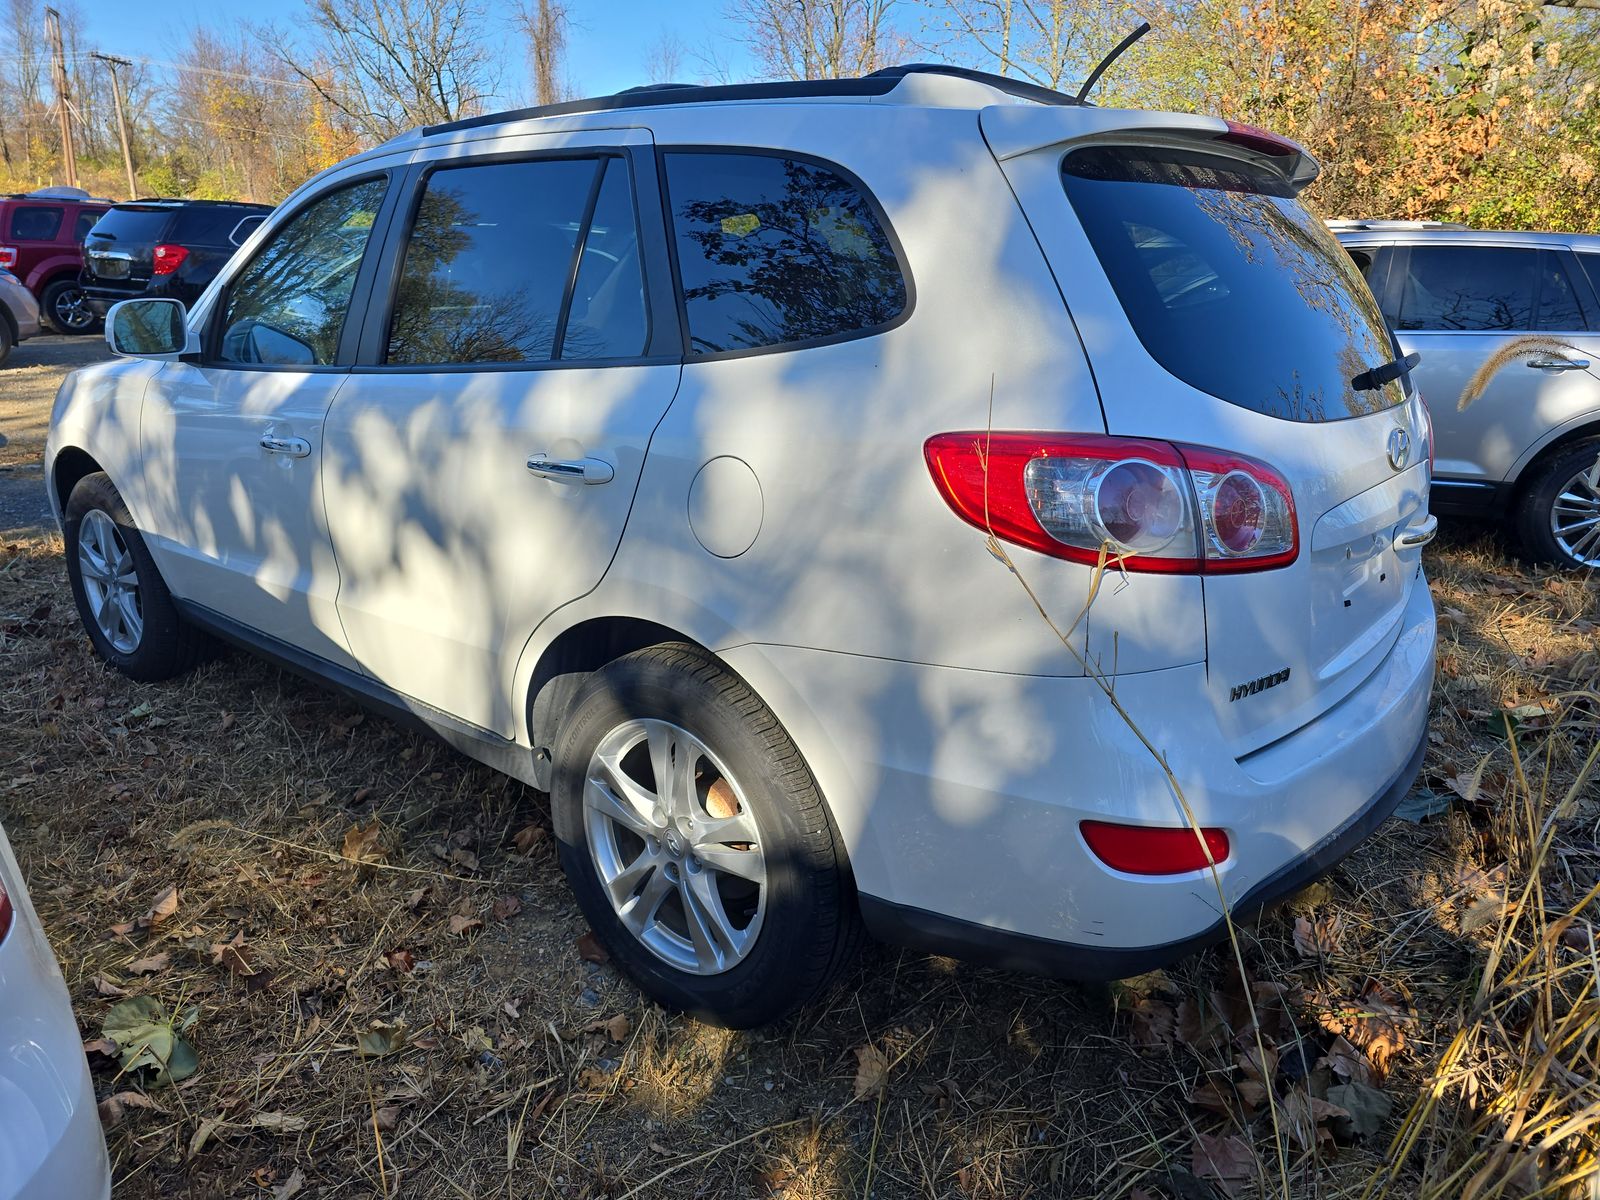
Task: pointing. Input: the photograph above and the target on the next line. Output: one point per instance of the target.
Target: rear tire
(63, 306)
(124, 605)
(1557, 519)
(6, 340)
(725, 893)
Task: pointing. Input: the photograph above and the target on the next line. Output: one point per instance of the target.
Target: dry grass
(1442, 952)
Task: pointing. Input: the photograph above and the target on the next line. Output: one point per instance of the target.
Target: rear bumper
(960, 796)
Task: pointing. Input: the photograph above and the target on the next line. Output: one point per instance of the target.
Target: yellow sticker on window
(742, 225)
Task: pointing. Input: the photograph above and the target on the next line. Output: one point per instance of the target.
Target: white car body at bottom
(775, 508)
(51, 1147)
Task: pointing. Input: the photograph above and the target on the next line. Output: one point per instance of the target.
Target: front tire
(124, 605)
(696, 842)
(62, 304)
(1558, 518)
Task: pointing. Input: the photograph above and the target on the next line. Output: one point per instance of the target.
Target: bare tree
(817, 39)
(390, 65)
(545, 23)
(1049, 42)
(664, 62)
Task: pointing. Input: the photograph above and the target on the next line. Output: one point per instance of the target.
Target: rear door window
(777, 251)
(1486, 289)
(1229, 281)
(86, 220)
(34, 223)
(521, 262)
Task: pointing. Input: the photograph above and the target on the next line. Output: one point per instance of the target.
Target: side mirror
(150, 329)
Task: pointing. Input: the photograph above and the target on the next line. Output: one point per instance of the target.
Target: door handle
(1559, 364)
(292, 446)
(1414, 537)
(571, 470)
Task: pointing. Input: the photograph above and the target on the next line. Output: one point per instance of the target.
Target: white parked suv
(51, 1146)
(646, 448)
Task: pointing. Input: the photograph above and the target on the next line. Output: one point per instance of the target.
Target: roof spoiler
(1014, 131)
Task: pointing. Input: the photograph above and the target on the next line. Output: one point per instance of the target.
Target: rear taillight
(1154, 849)
(169, 258)
(1150, 505)
(1260, 140)
(8, 257)
(5, 913)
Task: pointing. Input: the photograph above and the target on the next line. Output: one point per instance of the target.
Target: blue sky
(606, 51)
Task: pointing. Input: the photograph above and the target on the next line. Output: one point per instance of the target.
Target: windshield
(1230, 283)
(132, 225)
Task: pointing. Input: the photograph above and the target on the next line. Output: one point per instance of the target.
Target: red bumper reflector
(1153, 849)
(5, 913)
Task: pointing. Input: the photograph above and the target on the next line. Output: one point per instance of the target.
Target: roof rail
(878, 83)
(1347, 225)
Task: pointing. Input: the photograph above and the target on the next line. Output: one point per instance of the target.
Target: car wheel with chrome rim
(696, 841)
(123, 603)
(1559, 514)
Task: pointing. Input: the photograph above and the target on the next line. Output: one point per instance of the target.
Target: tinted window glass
(1469, 288)
(86, 219)
(288, 306)
(772, 250)
(488, 262)
(241, 232)
(131, 226)
(1558, 303)
(34, 223)
(1230, 284)
(607, 319)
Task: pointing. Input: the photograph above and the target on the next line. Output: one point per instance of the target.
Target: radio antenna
(1094, 76)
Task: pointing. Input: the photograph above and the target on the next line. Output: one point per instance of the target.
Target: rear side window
(34, 223)
(775, 251)
(1230, 283)
(132, 225)
(242, 231)
(1491, 289)
(287, 306)
(86, 219)
(521, 262)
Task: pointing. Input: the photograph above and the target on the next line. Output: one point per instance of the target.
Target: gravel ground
(28, 384)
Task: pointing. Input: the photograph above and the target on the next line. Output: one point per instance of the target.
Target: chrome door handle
(1414, 537)
(571, 470)
(292, 446)
(1559, 364)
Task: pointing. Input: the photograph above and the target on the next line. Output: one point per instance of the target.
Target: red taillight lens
(1153, 506)
(169, 258)
(5, 913)
(1153, 849)
(8, 257)
(1260, 140)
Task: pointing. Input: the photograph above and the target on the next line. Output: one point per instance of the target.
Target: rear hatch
(120, 249)
(1218, 311)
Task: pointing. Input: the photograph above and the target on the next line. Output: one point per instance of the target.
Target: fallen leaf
(401, 960)
(278, 1122)
(234, 956)
(386, 1118)
(465, 859)
(1222, 1158)
(114, 1107)
(380, 1040)
(506, 907)
(590, 949)
(460, 924)
(1199, 1027)
(1348, 1062)
(1154, 1023)
(105, 987)
(1480, 913)
(1422, 804)
(203, 1134)
(872, 1071)
(414, 899)
(1318, 938)
(1309, 1119)
(150, 965)
(618, 1027)
(291, 1186)
(361, 842)
(526, 838)
(147, 1037)
(104, 1046)
(1365, 1108)
(228, 721)
(591, 1080)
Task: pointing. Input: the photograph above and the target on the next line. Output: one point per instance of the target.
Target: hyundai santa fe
(650, 449)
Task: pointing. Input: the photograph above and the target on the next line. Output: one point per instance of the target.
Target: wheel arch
(71, 464)
(1524, 472)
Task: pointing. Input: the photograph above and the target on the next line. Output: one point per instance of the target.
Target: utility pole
(122, 123)
(58, 70)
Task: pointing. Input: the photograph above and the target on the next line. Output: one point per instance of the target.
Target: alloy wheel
(110, 581)
(676, 845)
(1575, 516)
(70, 312)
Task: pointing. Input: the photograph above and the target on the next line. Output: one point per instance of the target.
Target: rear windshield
(1230, 283)
(133, 224)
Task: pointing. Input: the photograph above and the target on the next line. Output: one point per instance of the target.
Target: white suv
(646, 448)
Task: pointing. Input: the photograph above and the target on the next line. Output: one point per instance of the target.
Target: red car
(41, 240)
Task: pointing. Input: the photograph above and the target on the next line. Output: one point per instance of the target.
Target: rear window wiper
(1371, 380)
